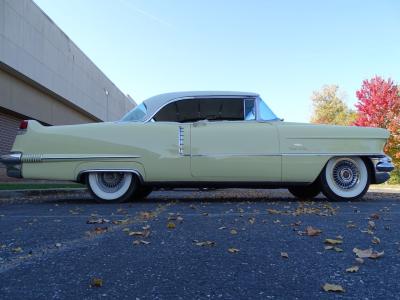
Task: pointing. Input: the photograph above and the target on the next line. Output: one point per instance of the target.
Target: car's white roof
(154, 103)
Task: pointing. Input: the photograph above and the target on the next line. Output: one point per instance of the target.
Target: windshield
(138, 114)
(265, 113)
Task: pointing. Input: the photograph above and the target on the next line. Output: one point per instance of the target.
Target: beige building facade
(45, 76)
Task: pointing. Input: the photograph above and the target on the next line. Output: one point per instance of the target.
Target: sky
(283, 50)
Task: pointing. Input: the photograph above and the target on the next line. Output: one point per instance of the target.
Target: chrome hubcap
(346, 174)
(110, 182)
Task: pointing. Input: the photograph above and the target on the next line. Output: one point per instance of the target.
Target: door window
(211, 109)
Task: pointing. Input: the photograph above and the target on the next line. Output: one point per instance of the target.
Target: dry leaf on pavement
(138, 242)
(353, 269)
(284, 255)
(233, 250)
(327, 287)
(99, 230)
(333, 241)
(310, 231)
(17, 250)
(204, 243)
(375, 240)
(120, 222)
(96, 282)
(368, 253)
(252, 220)
(97, 221)
(233, 231)
(171, 225)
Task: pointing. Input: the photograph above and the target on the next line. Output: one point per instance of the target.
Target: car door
(245, 150)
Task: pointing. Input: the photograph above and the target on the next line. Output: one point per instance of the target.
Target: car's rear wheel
(112, 187)
(345, 178)
(306, 192)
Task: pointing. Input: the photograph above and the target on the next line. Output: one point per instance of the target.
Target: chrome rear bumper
(382, 167)
(13, 164)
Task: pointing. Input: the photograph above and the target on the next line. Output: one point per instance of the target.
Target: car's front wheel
(345, 178)
(111, 187)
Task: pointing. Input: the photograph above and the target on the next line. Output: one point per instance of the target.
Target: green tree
(329, 107)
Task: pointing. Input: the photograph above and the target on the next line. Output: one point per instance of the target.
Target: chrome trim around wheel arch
(136, 172)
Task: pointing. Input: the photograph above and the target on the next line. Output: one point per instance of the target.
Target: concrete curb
(22, 196)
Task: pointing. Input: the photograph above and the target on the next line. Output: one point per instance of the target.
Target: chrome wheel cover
(347, 177)
(110, 185)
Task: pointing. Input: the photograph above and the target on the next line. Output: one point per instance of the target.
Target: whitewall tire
(345, 178)
(111, 187)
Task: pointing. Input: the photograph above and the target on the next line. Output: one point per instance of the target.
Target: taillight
(23, 125)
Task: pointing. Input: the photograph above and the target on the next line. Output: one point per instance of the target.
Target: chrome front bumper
(382, 167)
(13, 164)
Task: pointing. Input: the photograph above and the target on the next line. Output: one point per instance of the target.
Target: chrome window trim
(196, 97)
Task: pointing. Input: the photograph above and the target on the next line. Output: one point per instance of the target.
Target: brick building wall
(9, 124)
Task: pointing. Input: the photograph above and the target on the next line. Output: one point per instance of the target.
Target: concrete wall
(32, 46)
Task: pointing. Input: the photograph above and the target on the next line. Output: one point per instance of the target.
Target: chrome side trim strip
(334, 154)
(234, 154)
(287, 154)
(37, 158)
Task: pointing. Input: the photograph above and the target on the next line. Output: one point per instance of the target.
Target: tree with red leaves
(379, 106)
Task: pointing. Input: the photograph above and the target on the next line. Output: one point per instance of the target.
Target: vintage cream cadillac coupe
(203, 139)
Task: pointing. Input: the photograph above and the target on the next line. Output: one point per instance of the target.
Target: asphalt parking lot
(224, 244)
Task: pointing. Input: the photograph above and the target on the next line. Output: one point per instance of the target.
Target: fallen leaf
(171, 225)
(233, 250)
(122, 211)
(138, 242)
(252, 220)
(351, 225)
(284, 255)
(120, 222)
(99, 230)
(146, 215)
(233, 231)
(371, 225)
(368, 253)
(359, 260)
(352, 269)
(97, 221)
(96, 282)
(205, 213)
(146, 227)
(273, 211)
(374, 216)
(17, 250)
(328, 247)
(333, 242)
(222, 227)
(333, 288)
(126, 229)
(375, 240)
(58, 245)
(339, 237)
(310, 231)
(204, 243)
(337, 249)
